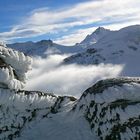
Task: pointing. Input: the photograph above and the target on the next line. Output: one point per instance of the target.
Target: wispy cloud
(104, 13)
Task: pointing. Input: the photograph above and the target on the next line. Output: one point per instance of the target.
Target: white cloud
(45, 20)
(48, 76)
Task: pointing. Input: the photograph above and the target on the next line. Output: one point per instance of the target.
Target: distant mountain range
(46, 47)
(43, 48)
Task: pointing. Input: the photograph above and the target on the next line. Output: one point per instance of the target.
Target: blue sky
(64, 21)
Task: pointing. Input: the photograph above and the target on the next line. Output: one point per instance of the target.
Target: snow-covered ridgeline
(110, 90)
(13, 66)
(21, 109)
(112, 108)
(44, 48)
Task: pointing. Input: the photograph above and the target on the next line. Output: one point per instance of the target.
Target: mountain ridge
(94, 37)
(43, 48)
(50, 47)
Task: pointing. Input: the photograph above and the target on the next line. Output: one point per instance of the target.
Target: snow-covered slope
(116, 47)
(112, 108)
(43, 48)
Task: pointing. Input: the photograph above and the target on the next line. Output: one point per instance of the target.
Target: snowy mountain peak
(45, 42)
(93, 38)
(100, 30)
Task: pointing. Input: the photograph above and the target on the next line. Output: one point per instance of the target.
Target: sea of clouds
(48, 75)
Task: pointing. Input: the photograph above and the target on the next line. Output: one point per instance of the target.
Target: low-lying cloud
(48, 75)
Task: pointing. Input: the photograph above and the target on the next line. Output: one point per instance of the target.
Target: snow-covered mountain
(46, 47)
(116, 47)
(43, 48)
(108, 110)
